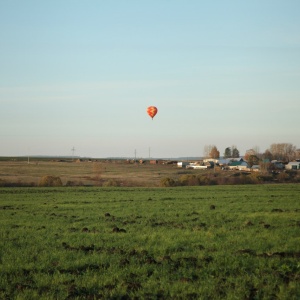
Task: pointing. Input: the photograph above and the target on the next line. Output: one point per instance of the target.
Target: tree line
(284, 152)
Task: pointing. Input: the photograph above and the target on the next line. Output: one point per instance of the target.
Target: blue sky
(82, 74)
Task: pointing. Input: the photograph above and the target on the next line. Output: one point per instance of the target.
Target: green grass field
(215, 242)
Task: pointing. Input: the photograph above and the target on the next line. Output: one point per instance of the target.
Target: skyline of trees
(231, 152)
(276, 151)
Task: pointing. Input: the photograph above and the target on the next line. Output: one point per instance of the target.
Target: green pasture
(209, 242)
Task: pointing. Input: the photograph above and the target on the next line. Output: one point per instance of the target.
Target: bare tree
(207, 150)
(253, 160)
(267, 155)
(298, 154)
(249, 153)
(283, 151)
(253, 152)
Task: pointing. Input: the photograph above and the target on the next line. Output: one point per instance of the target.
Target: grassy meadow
(19, 172)
(207, 242)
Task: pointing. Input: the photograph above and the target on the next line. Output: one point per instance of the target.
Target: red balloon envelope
(152, 111)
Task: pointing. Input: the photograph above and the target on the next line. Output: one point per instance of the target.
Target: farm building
(213, 160)
(278, 164)
(255, 168)
(197, 167)
(238, 165)
(293, 165)
(218, 161)
(182, 164)
(200, 165)
(221, 161)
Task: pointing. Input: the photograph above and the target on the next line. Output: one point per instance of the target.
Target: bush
(265, 178)
(291, 173)
(282, 177)
(247, 179)
(110, 182)
(188, 180)
(71, 183)
(207, 179)
(253, 178)
(50, 181)
(167, 182)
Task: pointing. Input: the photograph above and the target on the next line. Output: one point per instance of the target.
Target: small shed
(182, 164)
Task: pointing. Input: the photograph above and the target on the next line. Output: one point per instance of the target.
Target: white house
(293, 165)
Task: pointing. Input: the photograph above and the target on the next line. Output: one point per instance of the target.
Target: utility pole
(73, 151)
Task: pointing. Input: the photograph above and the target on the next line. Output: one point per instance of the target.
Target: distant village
(239, 164)
(278, 157)
(283, 156)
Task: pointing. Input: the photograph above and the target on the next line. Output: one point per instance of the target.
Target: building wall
(293, 166)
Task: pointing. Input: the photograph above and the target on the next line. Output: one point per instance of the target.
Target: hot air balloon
(152, 111)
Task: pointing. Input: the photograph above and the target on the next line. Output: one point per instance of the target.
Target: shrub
(50, 181)
(282, 177)
(246, 179)
(167, 182)
(222, 180)
(253, 178)
(265, 178)
(188, 179)
(207, 179)
(110, 182)
(291, 173)
(203, 179)
(71, 183)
